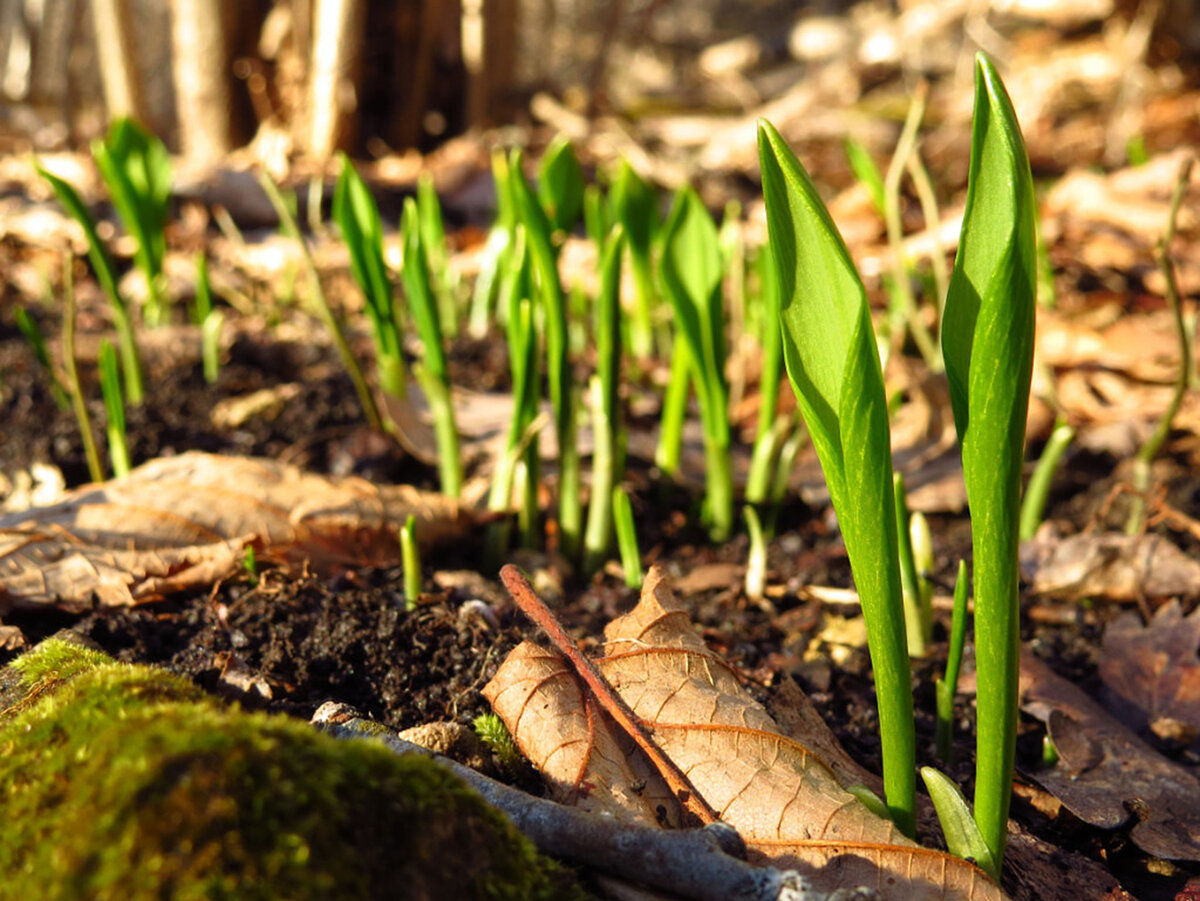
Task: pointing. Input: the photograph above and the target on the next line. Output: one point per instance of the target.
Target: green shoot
(495, 251)
(357, 216)
(410, 559)
(560, 185)
(433, 373)
(250, 564)
(796, 437)
(136, 168)
(558, 364)
(691, 278)
(918, 621)
(770, 432)
(833, 364)
(74, 386)
(674, 408)
(287, 224)
(114, 408)
(947, 687)
(921, 539)
(961, 833)
(631, 557)
(905, 147)
(867, 173)
(606, 408)
(595, 217)
(433, 238)
(210, 345)
(37, 343)
(1149, 450)
(107, 276)
(635, 205)
(202, 302)
(1037, 492)
(492, 732)
(987, 344)
(1050, 756)
(756, 560)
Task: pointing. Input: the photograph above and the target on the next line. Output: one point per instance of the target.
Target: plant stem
(95, 470)
(947, 687)
(914, 618)
(674, 408)
(1149, 450)
(411, 560)
(631, 557)
(288, 223)
(1033, 505)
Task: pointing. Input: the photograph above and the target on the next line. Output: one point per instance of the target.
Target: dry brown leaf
(1153, 673)
(1116, 567)
(1106, 775)
(783, 799)
(184, 521)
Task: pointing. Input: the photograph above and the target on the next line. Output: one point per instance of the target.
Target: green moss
(127, 782)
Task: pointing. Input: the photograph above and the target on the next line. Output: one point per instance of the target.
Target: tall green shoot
(37, 343)
(768, 436)
(355, 212)
(544, 259)
(107, 276)
(433, 238)
(560, 185)
(495, 251)
(635, 205)
(691, 278)
(432, 372)
(74, 385)
(114, 408)
(833, 363)
(606, 408)
(136, 168)
(987, 344)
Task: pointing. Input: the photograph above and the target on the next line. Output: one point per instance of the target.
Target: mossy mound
(126, 782)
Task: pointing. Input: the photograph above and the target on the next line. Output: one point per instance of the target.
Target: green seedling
(771, 342)
(433, 238)
(552, 303)
(433, 372)
(921, 539)
(1149, 450)
(287, 224)
(607, 424)
(209, 320)
(862, 164)
(250, 564)
(1050, 755)
(918, 620)
(521, 443)
(493, 733)
(595, 217)
(495, 251)
(107, 276)
(691, 278)
(674, 407)
(987, 344)
(356, 214)
(833, 364)
(1037, 492)
(756, 560)
(631, 557)
(634, 204)
(947, 686)
(136, 168)
(960, 830)
(733, 260)
(410, 558)
(37, 343)
(560, 185)
(74, 386)
(114, 408)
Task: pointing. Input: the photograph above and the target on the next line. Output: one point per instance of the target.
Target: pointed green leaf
(560, 184)
(833, 364)
(958, 827)
(987, 341)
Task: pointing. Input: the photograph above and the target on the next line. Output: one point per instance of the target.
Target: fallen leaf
(1115, 567)
(187, 520)
(781, 796)
(1106, 775)
(1152, 672)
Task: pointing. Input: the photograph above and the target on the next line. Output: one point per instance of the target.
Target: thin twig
(533, 606)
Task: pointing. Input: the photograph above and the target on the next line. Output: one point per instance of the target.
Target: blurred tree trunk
(118, 59)
(338, 35)
(201, 81)
(489, 52)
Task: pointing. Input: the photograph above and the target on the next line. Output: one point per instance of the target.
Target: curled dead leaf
(187, 520)
(781, 796)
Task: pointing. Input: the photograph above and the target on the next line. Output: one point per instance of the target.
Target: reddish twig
(533, 606)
